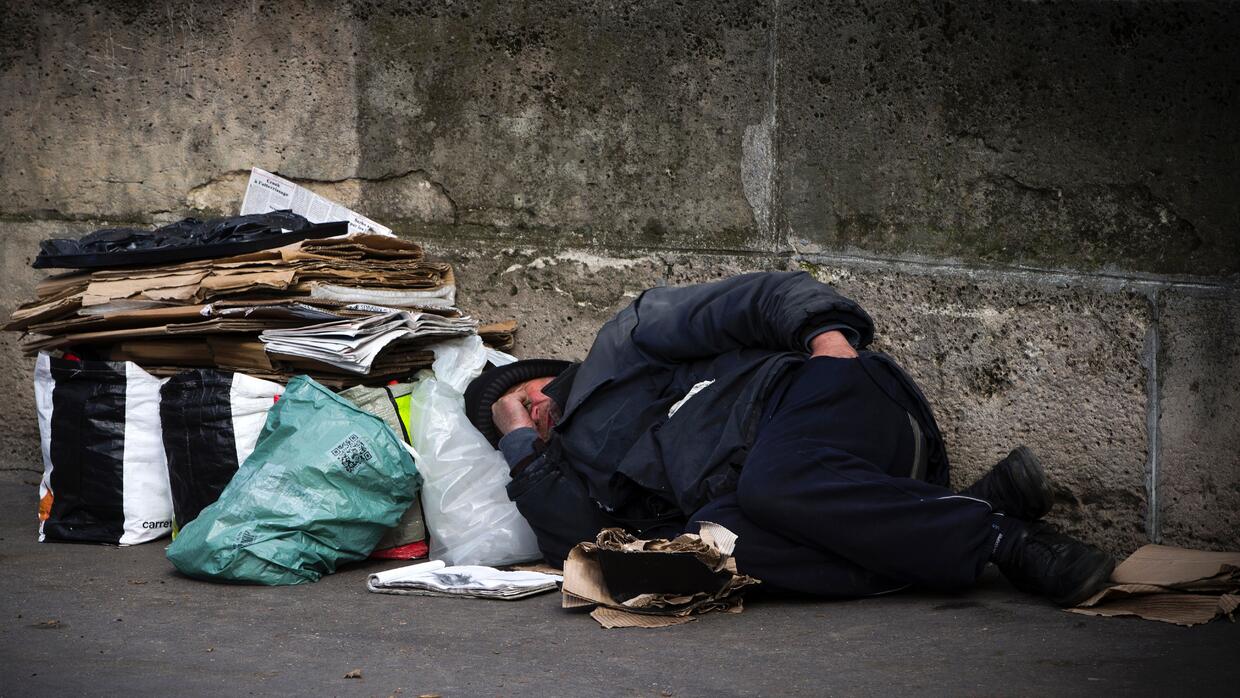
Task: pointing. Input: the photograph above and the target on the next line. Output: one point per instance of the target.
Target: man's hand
(831, 343)
(509, 412)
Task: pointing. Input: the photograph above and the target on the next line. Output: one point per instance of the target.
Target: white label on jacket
(692, 391)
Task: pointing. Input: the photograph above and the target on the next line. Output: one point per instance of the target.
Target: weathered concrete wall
(120, 110)
(1078, 134)
(1035, 199)
(1090, 135)
(1198, 469)
(19, 428)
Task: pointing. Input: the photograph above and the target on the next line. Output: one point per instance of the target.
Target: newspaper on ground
(434, 578)
(352, 345)
(267, 192)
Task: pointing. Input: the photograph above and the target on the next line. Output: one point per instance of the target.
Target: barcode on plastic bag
(351, 453)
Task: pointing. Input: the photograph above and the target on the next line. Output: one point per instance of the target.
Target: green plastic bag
(324, 483)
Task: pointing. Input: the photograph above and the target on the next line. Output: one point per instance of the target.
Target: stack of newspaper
(359, 307)
(353, 345)
(434, 578)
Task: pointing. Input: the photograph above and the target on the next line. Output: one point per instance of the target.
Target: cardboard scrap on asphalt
(633, 583)
(1172, 585)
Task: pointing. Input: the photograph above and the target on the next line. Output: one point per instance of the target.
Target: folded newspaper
(434, 578)
(267, 192)
(442, 297)
(353, 345)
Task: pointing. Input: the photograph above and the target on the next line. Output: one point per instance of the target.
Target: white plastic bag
(467, 510)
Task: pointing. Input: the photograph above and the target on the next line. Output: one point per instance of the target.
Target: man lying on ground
(751, 402)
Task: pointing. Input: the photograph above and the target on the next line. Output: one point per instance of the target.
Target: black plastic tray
(187, 253)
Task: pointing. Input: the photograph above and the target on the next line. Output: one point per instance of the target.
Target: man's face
(542, 411)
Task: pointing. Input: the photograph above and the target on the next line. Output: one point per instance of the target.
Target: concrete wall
(1034, 199)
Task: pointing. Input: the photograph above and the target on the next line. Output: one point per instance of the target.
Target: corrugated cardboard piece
(1173, 585)
(633, 583)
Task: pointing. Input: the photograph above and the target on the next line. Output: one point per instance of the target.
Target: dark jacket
(617, 458)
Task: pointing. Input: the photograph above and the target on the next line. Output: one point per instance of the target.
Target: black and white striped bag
(105, 476)
(211, 421)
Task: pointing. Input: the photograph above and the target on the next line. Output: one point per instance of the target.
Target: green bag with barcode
(323, 484)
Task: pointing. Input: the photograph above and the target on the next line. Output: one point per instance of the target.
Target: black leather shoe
(1048, 563)
(1016, 486)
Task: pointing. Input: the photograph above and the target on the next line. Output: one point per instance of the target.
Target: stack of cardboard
(273, 313)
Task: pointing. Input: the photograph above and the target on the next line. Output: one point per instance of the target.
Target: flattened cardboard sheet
(1172, 585)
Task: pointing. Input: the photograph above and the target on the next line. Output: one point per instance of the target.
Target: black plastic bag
(182, 241)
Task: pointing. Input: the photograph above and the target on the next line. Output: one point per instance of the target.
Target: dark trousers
(822, 505)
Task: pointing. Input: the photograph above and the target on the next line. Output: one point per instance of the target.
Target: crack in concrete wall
(759, 157)
(1153, 528)
(757, 167)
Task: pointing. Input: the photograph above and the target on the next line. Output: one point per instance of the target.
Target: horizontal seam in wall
(1115, 280)
(1109, 280)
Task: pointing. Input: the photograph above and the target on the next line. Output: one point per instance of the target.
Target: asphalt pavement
(97, 620)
